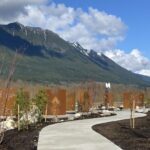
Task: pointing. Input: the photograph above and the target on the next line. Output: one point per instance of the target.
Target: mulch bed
(22, 140)
(121, 134)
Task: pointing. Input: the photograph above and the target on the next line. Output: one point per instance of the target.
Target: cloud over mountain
(133, 61)
(93, 29)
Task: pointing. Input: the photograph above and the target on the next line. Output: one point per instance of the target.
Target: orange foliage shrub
(10, 102)
(70, 100)
(128, 97)
(56, 102)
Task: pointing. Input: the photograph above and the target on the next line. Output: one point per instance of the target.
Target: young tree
(40, 101)
(22, 100)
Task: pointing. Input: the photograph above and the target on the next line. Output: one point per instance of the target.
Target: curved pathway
(78, 135)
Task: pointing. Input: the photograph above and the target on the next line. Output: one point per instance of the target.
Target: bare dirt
(121, 134)
(22, 140)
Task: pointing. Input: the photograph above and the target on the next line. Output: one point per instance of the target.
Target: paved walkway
(78, 135)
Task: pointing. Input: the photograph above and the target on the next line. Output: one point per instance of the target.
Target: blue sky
(134, 13)
(120, 29)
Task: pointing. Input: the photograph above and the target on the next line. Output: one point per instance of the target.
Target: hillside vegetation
(47, 58)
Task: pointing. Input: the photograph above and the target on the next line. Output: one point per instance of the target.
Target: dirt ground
(122, 135)
(22, 140)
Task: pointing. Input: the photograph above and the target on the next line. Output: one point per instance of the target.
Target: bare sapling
(5, 93)
(132, 109)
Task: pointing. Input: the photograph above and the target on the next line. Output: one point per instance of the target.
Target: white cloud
(93, 29)
(133, 61)
(102, 23)
(144, 72)
(53, 17)
(11, 9)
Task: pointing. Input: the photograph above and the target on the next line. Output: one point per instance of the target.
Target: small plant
(147, 101)
(22, 108)
(40, 101)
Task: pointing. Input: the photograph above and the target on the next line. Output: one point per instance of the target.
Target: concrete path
(78, 135)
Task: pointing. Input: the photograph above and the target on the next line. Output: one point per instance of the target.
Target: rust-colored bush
(56, 102)
(70, 100)
(108, 98)
(10, 102)
(128, 98)
(84, 100)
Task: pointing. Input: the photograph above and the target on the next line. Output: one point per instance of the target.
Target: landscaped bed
(122, 135)
(22, 140)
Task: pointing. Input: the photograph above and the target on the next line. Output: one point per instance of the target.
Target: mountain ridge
(49, 58)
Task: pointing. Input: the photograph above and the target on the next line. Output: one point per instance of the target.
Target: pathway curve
(78, 135)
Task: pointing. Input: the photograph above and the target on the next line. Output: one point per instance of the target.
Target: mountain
(47, 58)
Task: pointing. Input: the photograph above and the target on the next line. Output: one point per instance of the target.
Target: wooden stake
(46, 113)
(133, 118)
(18, 118)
